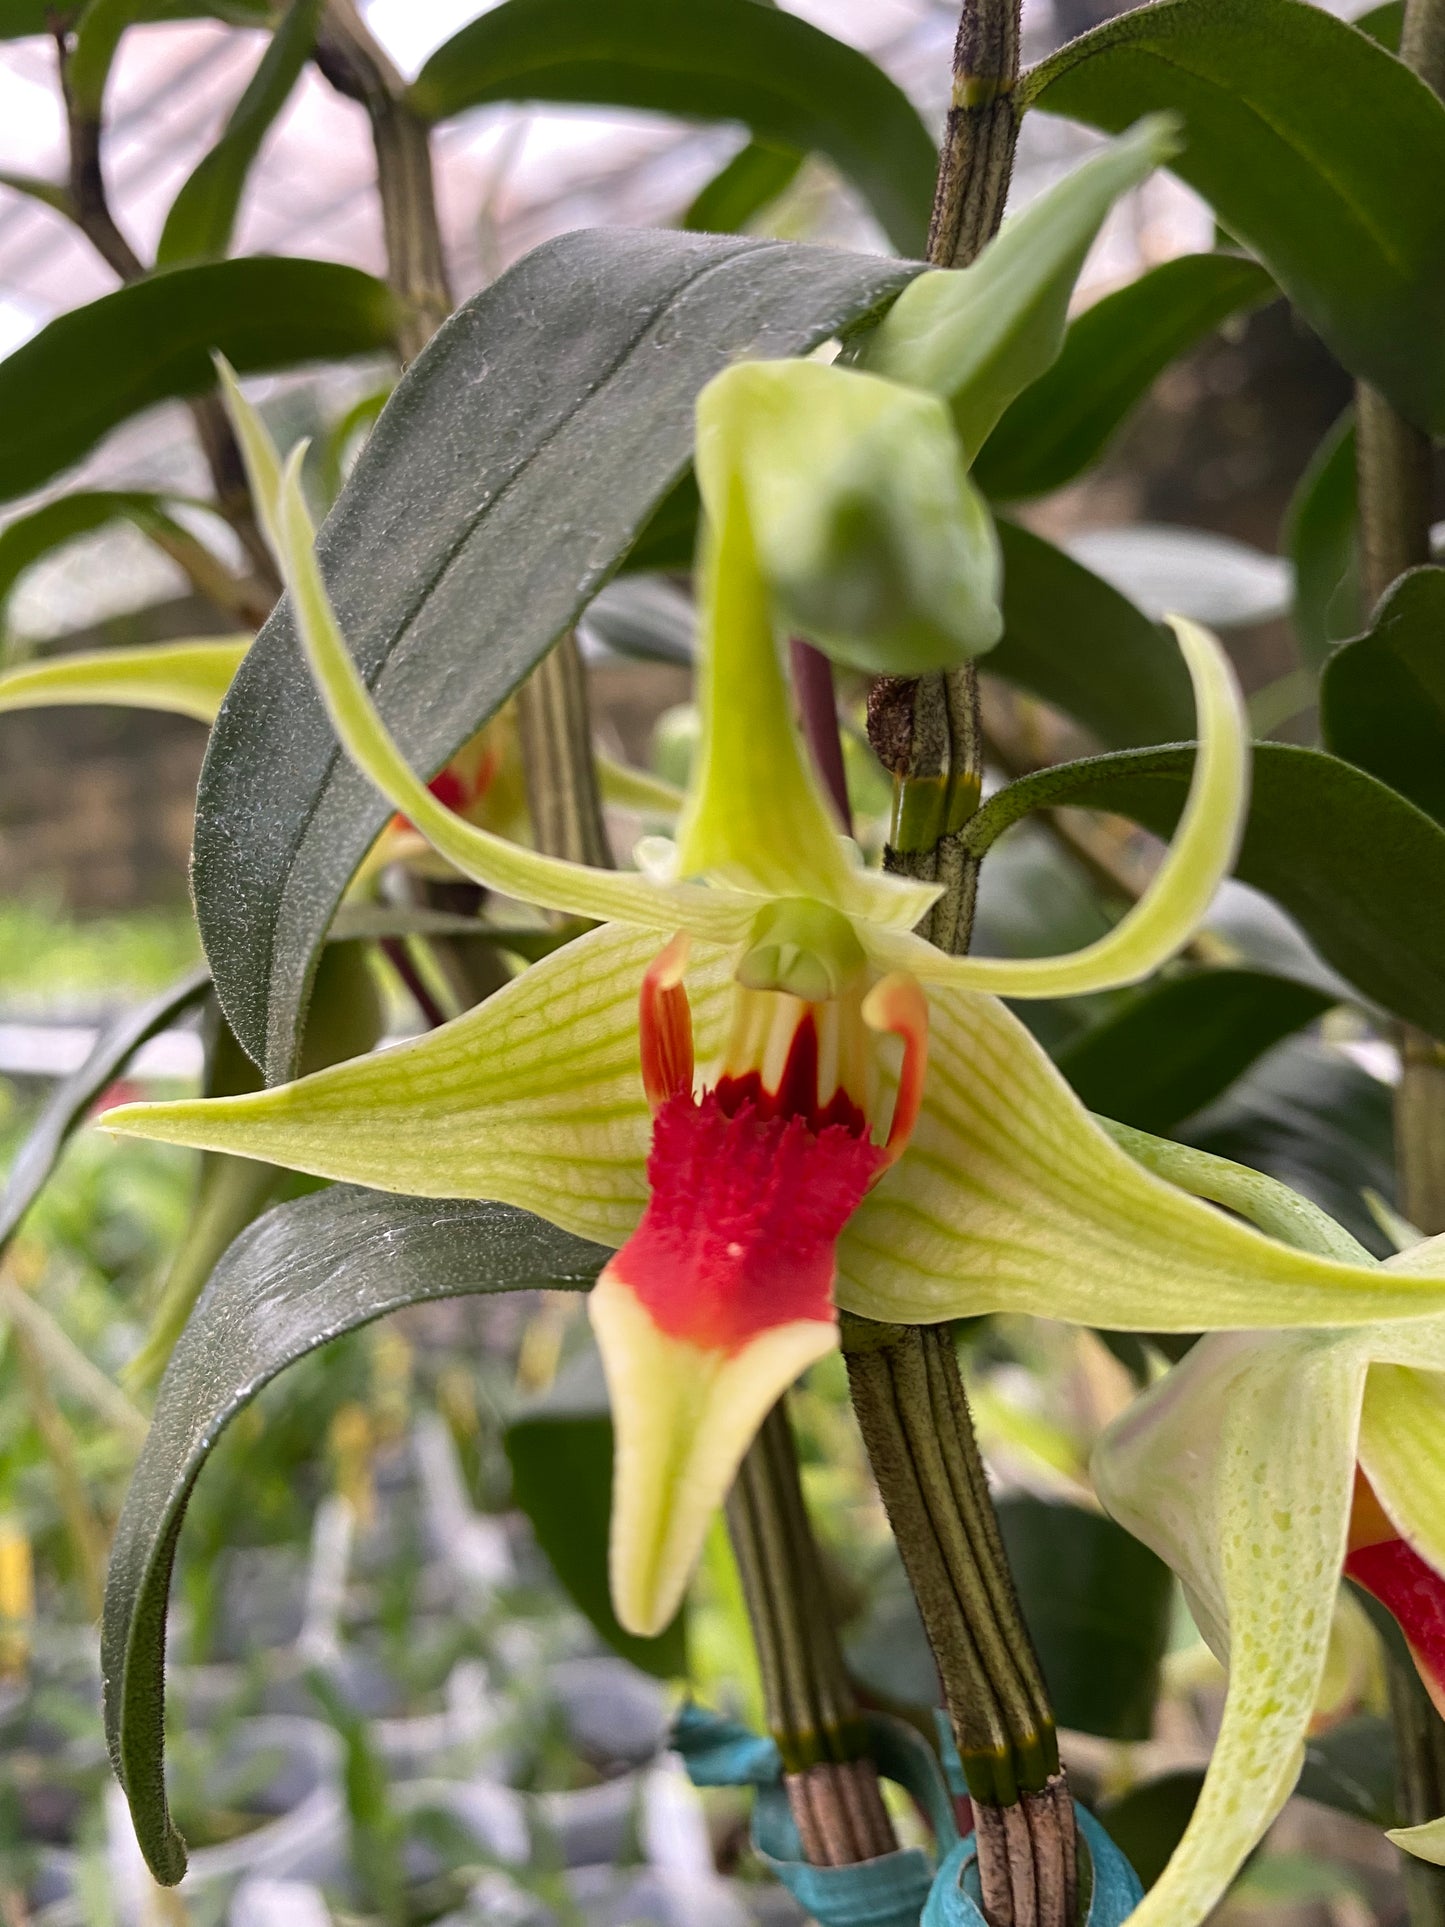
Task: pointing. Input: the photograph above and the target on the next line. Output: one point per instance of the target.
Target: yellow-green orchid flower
(188, 678)
(1261, 1467)
(760, 1086)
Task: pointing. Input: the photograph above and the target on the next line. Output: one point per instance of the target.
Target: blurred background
(385, 1706)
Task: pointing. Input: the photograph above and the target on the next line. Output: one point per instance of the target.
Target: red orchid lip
(744, 1214)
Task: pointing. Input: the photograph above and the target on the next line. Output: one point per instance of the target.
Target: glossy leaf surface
(1072, 639)
(1310, 143)
(560, 1449)
(303, 1274)
(1319, 539)
(1112, 353)
(1178, 1045)
(1382, 696)
(73, 1096)
(512, 470)
(89, 370)
(709, 60)
(1359, 868)
(198, 226)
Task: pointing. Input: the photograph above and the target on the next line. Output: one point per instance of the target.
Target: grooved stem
(980, 136)
(554, 722)
(916, 1425)
(812, 1713)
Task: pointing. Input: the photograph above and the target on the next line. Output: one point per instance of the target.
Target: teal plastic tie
(900, 1889)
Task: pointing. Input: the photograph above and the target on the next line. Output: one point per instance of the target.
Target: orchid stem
(1395, 490)
(907, 1391)
(812, 1713)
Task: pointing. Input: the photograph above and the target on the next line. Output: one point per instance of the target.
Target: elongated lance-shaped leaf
(88, 371)
(303, 1274)
(27, 538)
(540, 428)
(188, 678)
(727, 60)
(198, 226)
(1360, 868)
(1064, 421)
(1320, 538)
(99, 29)
(1310, 143)
(1178, 895)
(1073, 639)
(73, 1096)
(979, 335)
(756, 175)
(1382, 696)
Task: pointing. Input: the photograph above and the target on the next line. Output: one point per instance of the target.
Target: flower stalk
(812, 1711)
(907, 1392)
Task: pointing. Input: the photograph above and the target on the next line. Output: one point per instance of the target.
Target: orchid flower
(753, 1081)
(1261, 1467)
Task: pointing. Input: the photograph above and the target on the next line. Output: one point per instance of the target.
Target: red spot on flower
(744, 1216)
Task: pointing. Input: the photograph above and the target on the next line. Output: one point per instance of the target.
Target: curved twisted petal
(1182, 889)
(534, 1097)
(548, 881)
(1238, 1470)
(1011, 1198)
(187, 678)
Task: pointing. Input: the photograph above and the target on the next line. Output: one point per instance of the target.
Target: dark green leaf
(752, 178)
(49, 193)
(1147, 1823)
(516, 464)
(1352, 1768)
(1310, 142)
(100, 24)
(669, 536)
(1361, 870)
(1078, 643)
(788, 81)
(1319, 539)
(560, 1449)
(303, 1274)
(1176, 1046)
(28, 537)
(1098, 1604)
(1383, 23)
(1308, 1116)
(198, 227)
(88, 371)
(73, 1096)
(1382, 697)
(1111, 355)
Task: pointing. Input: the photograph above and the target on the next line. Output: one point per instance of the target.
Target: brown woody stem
(811, 1709)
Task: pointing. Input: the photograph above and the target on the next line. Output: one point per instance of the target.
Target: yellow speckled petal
(534, 1097)
(187, 678)
(1183, 887)
(1238, 1470)
(1010, 1197)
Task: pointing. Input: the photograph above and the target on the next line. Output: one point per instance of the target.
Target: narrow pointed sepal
(683, 1415)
